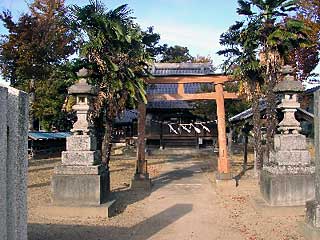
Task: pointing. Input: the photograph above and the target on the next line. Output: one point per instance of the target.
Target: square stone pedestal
(286, 189)
(141, 182)
(80, 185)
(224, 176)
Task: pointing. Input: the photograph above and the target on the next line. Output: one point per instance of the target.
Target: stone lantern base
(286, 189)
(287, 179)
(141, 181)
(80, 185)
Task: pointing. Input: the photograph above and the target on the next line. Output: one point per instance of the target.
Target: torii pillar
(223, 162)
(141, 178)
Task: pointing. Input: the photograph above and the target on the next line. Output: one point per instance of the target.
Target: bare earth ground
(185, 203)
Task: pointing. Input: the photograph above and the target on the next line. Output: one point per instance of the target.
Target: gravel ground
(245, 214)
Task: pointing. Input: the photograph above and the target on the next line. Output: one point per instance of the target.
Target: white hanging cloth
(172, 129)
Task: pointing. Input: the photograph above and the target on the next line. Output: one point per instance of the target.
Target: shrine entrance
(183, 77)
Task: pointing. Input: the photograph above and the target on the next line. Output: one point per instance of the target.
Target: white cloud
(199, 39)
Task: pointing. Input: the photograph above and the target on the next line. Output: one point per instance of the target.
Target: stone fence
(13, 163)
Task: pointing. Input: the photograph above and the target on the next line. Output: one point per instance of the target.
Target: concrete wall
(13, 163)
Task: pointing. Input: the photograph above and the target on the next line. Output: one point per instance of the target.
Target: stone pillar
(223, 162)
(230, 136)
(287, 176)
(13, 163)
(3, 162)
(81, 179)
(141, 178)
(313, 206)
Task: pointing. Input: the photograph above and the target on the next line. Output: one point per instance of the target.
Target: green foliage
(151, 40)
(208, 109)
(306, 57)
(36, 43)
(175, 54)
(117, 52)
(34, 55)
(51, 94)
(256, 48)
(262, 31)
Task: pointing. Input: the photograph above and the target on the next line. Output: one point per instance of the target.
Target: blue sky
(191, 23)
(196, 24)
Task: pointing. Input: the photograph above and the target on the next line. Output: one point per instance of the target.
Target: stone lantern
(289, 104)
(84, 93)
(287, 175)
(81, 179)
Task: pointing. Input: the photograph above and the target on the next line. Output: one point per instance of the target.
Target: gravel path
(185, 203)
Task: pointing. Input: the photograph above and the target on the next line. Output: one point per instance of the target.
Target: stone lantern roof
(288, 84)
(82, 86)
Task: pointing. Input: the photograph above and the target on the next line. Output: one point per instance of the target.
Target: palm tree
(114, 51)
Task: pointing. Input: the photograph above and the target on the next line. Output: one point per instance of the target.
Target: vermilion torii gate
(219, 95)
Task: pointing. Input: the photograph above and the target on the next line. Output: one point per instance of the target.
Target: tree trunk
(256, 126)
(271, 99)
(245, 152)
(32, 98)
(106, 143)
(272, 62)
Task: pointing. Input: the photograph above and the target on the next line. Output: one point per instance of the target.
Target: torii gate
(219, 95)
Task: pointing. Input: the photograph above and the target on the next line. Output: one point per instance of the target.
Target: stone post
(313, 206)
(230, 142)
(141, 178)
(287, 176)
(223, 161)
(81, 179)
(13, 163)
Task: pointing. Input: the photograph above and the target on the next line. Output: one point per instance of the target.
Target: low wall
(13, 163)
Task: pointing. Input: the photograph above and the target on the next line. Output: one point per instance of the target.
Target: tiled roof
(177, 69)
(169, 105)
(263, 106)
(311, 90)
(248, 113)
(172, 88)
(172, 69)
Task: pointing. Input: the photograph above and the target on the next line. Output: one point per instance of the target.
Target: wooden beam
(189, 79)
(230, 95)
(190, 96)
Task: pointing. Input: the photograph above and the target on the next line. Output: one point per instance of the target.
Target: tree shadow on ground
(241, 174)
(41, 169)
(37, 185)
(141, 231)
